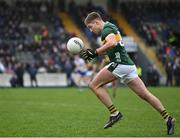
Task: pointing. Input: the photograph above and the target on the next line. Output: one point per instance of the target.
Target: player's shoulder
(109, 28)
(109, 25)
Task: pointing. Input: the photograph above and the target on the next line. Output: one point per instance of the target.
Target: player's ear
(96, 22)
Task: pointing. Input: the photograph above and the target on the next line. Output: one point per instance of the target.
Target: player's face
(94, 27)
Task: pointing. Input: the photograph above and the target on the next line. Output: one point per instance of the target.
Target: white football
(75, 45)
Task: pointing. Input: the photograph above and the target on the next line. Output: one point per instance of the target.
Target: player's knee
(94, 86)
(91, 86)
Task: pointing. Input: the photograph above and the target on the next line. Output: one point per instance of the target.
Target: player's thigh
(103, 77)
(138, 87)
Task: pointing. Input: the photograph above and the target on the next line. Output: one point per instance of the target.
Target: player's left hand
(88, 54)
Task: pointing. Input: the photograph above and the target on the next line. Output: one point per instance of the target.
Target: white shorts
(126, 73)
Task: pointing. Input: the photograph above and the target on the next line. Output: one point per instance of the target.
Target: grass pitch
(68, 112)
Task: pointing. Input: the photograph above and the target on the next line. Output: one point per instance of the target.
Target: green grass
(68, 112)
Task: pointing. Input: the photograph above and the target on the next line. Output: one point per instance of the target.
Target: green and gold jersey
(117, 54)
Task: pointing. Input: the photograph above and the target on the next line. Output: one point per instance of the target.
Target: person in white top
(81, 70)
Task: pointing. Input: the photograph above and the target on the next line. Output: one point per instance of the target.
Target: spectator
(13, 81)
(68, 69)
(177, 74)
(139, 71)
(38, 38)
(2, 68)
(32, 73)
(155, 76)
(169, 74)
(19, 71)
(149, 75)
(44, 32)
(152, 76)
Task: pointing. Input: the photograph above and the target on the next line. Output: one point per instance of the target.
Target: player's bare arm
(110, 42)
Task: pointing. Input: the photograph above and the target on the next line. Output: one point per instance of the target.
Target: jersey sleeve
(107, 31)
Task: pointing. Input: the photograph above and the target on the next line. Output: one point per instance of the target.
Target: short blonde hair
(92, 16)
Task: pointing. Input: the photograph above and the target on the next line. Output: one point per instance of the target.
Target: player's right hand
(88, 54)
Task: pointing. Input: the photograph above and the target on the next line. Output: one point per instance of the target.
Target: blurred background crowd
(33, 37)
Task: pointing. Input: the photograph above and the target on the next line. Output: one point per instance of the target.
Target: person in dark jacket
(32, 73)
(19, 71)
(169, 74)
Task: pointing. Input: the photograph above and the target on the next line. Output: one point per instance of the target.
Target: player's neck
(103, 24)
